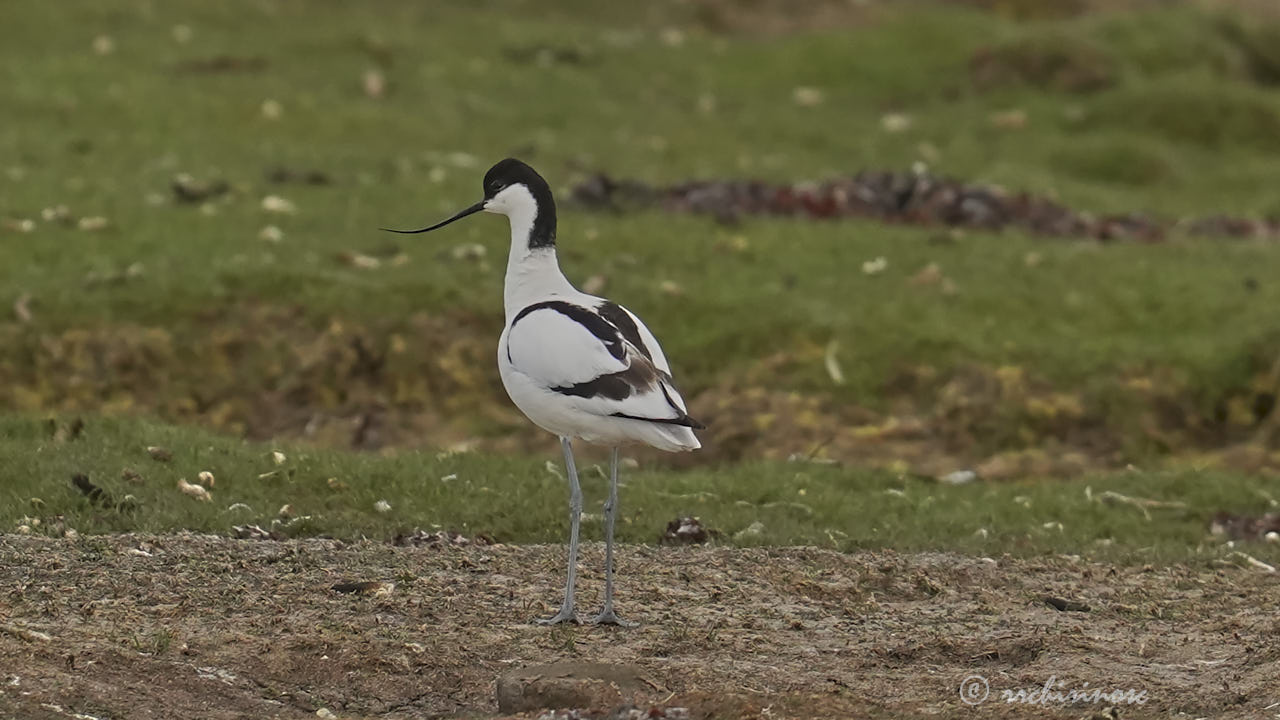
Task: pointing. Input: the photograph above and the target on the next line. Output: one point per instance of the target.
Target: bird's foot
(608, 617)
(566, 615)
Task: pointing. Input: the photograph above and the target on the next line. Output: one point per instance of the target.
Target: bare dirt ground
(186, 626)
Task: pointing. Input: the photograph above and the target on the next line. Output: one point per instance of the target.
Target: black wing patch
(681, 418)
(621, 320)
(641, 376)
(594, 323)
(610, 324)
(684, 420)
(606, 386)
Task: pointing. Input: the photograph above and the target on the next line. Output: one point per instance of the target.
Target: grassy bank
(190, 196)
(523, 499)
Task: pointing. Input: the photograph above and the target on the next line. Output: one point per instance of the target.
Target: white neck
(533, 274)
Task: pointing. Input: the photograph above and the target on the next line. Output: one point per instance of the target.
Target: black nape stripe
(543, 234)
(596, 325)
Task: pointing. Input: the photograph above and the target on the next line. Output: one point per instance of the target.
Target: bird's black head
(516, 190)
(510, 172)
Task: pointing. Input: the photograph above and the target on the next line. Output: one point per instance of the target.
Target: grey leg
(566, 613)
(607, 616)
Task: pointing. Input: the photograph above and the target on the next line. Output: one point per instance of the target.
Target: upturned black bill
(473, 209)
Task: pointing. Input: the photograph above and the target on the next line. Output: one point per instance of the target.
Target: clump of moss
(1032, 10)
(1113, 161)
(1058, 63)
(1258, 44)
(1208, 116)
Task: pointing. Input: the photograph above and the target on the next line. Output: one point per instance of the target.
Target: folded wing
(599, 357)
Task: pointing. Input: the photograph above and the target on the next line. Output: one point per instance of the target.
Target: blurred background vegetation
(190, 194)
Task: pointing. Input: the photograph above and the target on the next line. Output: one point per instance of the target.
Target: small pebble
(959, 477)
(93, 222)
(895, 122)
(279, 205)
(807, 96)
(875, 267)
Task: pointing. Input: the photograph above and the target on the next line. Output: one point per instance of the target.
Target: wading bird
(578, 366)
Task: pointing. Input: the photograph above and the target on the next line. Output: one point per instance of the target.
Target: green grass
(1181, 130)
(516, 499)
(1178, 116)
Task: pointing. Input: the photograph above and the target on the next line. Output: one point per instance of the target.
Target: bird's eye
(496, 185)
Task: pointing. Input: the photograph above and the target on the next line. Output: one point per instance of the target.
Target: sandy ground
(187, 626)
